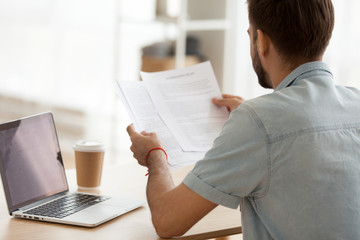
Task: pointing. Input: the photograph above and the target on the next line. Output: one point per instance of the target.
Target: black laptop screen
(30, 160)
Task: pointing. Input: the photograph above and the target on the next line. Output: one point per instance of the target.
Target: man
(290, 159)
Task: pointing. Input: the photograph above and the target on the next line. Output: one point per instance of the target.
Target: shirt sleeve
(237, 165)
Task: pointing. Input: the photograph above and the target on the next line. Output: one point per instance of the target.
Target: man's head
(300, 30)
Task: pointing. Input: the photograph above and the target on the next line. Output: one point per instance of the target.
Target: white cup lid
(89, 146)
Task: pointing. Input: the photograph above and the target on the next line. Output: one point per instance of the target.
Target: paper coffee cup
(89, 158)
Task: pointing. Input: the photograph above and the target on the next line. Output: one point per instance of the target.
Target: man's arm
(174, 209)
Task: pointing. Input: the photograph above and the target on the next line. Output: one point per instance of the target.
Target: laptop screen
(31, 165)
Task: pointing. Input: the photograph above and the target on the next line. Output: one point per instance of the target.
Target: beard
(262, 75)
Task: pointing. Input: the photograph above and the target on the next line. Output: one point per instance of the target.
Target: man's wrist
(155, 157)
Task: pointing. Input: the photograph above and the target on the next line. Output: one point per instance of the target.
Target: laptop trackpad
(93, 214)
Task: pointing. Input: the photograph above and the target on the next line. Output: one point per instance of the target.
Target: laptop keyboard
(66, 205)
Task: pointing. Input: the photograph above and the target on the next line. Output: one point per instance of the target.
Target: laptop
(35, 183)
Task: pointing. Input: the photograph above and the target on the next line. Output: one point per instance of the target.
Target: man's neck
(281, 71)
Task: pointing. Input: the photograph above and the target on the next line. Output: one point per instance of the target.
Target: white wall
(68, 53)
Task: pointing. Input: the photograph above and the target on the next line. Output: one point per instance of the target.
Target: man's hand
(142, 143)
(231, 102)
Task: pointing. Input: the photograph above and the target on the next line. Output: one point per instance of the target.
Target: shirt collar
(301, 70)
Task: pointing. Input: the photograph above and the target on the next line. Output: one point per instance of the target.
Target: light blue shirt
(291, 159)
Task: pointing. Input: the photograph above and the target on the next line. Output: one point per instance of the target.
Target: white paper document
(145, 117)
(183, 100)
(177, 106)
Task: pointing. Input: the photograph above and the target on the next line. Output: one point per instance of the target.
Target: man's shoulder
(304, 106)
(262, 112)
(266, 104)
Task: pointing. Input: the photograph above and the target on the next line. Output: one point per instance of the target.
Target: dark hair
(297, 28)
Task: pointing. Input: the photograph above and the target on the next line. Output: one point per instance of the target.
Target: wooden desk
(118, 180)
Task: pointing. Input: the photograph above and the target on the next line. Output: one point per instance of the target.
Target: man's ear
(263, 43)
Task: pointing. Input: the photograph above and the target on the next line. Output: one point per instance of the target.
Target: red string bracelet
(148, 153)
